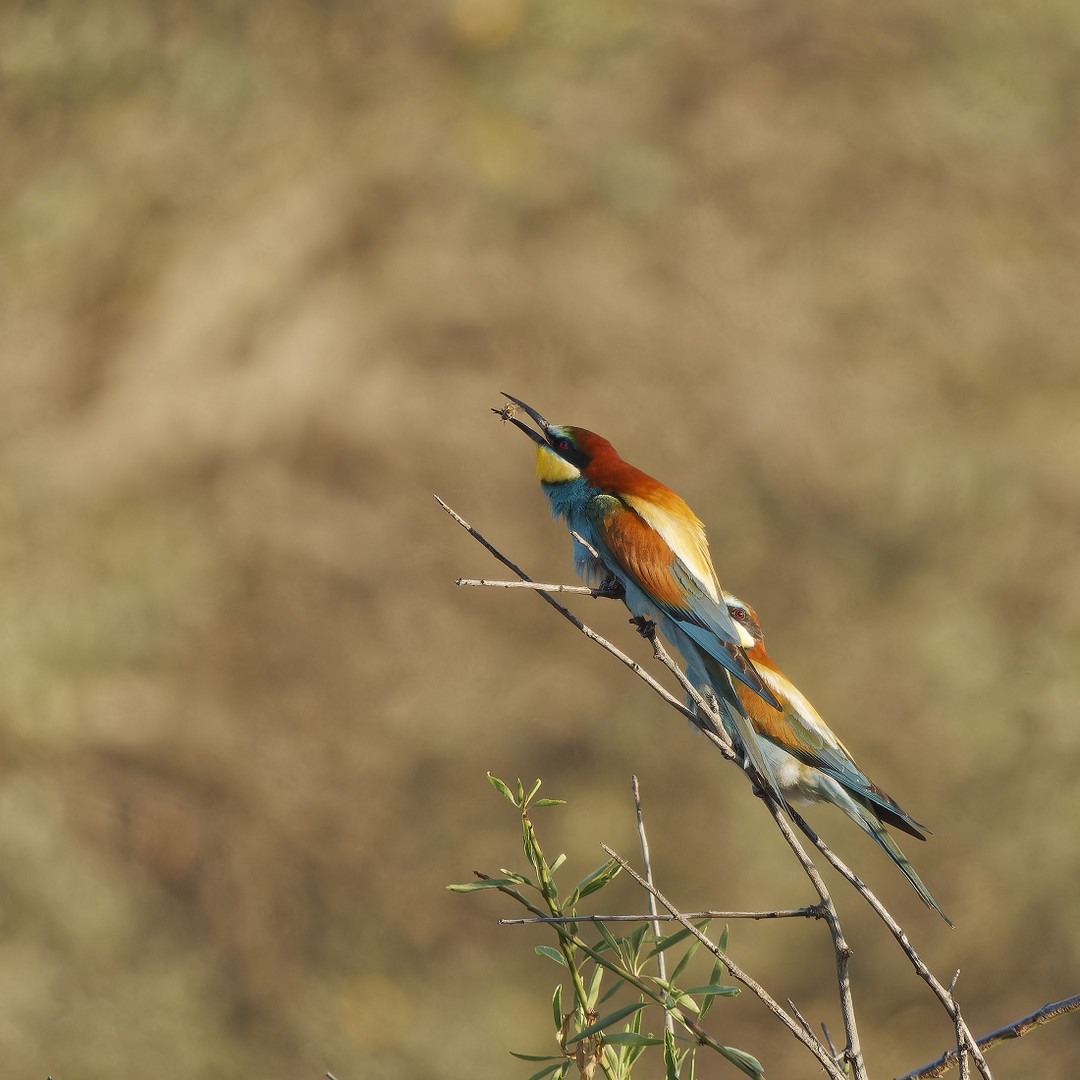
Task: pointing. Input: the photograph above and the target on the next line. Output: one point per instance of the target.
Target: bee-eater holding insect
(810, 763)
(650, 544)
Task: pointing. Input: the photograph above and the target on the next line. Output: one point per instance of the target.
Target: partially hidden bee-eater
(648, 541)
(811, 764)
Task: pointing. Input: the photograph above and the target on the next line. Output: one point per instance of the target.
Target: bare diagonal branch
(1016, 1030)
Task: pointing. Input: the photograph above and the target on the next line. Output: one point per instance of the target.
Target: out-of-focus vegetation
(263, 270)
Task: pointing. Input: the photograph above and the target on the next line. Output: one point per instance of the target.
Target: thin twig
(813, 912)
(1016, 1030)
(808, 1039)
(661, 958)
(961, 1048)
(585, 544)
(806, 1026)
(580, 590)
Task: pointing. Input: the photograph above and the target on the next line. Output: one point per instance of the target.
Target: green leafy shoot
(620, 963)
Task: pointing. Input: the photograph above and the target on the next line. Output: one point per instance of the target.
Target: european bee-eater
(650, 543)
(810, 763)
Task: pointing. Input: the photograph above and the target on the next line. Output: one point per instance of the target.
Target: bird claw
(611, 588)
(645, 627)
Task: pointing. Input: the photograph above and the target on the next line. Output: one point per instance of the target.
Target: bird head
(748, 624)
(562, 453)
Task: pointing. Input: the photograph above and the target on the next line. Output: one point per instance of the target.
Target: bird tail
(867, 820)
(712, 680)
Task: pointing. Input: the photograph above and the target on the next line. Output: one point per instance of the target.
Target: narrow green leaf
(722, 942)
(630, 1054)
(632, 1038)
(535, 789)
(605, 1021)
(609, 939)
(611, 991)
(594, 988)
(684, 1001)
(715, 990)
(501, 788)
(550, 1069)
(596, 880)
(680, 967)
(634, 942)
(551, 954)
(557, 863)
(550, 802)
(532, 849)
(673, 939)
(714, 980)
(556, 1006)
(744, 1061)
(535, 1057)
(486, 883)
(520, 793)
(671, 1057)
(512, 875)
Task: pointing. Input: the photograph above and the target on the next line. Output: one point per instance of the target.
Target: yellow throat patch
(552, 469)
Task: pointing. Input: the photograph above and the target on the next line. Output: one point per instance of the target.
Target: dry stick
(812, 912)
(580, 590)
(661, 959)
(807, 1038)
(965, 1063)
(1016, 1030)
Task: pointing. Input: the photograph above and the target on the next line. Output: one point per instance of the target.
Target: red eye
(563, 444)
(739, 614)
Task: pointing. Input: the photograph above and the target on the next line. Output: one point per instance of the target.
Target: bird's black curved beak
(507, 413)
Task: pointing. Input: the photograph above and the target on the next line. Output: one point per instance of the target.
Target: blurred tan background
(264, 268)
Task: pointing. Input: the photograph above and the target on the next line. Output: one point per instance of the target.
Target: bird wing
(662, 564)
(800, 730)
